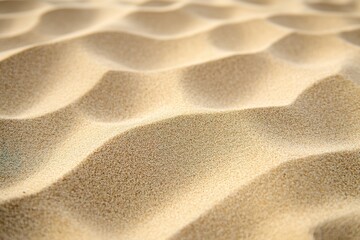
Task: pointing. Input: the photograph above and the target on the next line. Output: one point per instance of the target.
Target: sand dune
(231, 119)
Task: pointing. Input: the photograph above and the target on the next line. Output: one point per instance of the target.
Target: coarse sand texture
(180, 120)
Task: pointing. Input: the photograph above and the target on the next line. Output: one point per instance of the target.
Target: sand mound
(287, 204)
(232, 119)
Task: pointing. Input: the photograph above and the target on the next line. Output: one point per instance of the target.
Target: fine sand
(193, 119)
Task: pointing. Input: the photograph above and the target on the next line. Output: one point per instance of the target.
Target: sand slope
(231, 119)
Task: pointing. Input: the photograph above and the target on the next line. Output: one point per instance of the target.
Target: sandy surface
(229, 119)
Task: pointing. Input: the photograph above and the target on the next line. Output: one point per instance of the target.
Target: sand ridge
(233, 119)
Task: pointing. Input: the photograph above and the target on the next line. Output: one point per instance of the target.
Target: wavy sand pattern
(194, 119)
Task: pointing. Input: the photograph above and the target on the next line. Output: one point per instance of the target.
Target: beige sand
(227, 119)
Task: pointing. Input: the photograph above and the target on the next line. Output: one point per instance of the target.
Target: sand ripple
(230, 119)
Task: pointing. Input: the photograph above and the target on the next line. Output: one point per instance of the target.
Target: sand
(227, 119)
